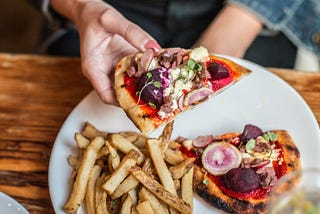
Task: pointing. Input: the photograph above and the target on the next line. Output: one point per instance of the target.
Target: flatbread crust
(126, 101)
(147, 124)
(214, 196)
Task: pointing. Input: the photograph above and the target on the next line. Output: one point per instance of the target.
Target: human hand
(105, 37)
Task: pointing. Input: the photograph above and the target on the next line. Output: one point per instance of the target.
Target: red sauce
(218, 84)
(259, 193)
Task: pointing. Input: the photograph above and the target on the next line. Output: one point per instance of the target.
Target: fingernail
(153, 45)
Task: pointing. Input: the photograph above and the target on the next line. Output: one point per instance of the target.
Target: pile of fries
(127, 172)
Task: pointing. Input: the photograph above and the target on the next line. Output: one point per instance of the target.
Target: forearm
(65, 8)
(231, 33)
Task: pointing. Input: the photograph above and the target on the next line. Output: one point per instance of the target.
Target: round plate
(10, 206)
(261, 99)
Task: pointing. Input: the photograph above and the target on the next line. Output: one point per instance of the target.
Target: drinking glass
(297, 192)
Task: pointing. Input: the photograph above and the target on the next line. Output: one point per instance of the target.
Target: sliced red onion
(196, 96)
(146, 59)
(180, 102)
(202, 141)
(260, 165)
(219, 158)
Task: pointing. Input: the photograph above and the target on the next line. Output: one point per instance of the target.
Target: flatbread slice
(153, 89)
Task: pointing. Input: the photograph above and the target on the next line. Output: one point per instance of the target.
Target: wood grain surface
(37, 93)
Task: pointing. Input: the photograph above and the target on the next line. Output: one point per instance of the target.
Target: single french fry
(158, 190)
(90, 131)
(133, 193)
(148, 166)
(90, 192)
(179, 170)
(140, 142)
(73, 161)
(177, 184)
(121, 172)
(144, 207)
(165, 207)
(100, 197)
(134, 210)
(126, 206)
(129, 183)
(81, 140)
(173, 157)
(125, 146)
(102, 152)
(145, 194)
(165, 137)
(113, 157)
(186, 187)
(160, 165)
(80, 183)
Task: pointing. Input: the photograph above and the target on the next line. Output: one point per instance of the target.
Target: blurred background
(20, 25)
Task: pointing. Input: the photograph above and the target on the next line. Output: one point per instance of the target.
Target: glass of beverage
(297, 192)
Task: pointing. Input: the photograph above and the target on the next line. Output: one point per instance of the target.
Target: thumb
(115, 23)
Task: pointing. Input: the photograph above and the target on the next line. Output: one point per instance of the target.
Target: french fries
(157, 189)
(129, 173)
(80, 184)
(121, 172)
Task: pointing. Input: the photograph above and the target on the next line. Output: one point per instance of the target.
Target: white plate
(261, 99)
(10, 206)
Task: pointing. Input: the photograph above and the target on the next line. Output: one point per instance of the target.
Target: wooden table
(37, 93)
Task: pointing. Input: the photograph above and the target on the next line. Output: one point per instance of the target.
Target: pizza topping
(145, 60)
(218, 158)
(171, 58)
(250, 132)
(150, 88)
(198, 95)
(202, 141)
(268, 176)
(217, 71)
(241, 180)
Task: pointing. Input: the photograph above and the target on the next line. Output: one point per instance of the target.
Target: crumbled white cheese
(188, 144)
(162, 114)
(174, 73)
(167, 91)
(199, 53)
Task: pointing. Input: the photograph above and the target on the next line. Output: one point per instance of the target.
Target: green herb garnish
(205, 182)
(250, 144)
(193, 65)
(272, 136)
(152, 105)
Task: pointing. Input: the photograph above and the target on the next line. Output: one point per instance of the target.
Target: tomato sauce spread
(220, 83)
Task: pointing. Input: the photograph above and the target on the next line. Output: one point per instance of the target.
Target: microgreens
(152, 105)
(205, 182)
(193, 65)
(250, 144)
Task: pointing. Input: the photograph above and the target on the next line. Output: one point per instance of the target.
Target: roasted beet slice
(241, 180)
(150, 88)
(250, 132)
(217, 71)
